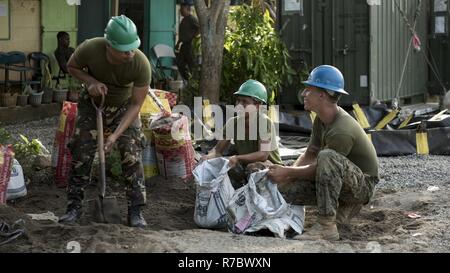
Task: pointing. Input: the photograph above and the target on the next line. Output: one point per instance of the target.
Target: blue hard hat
(327, 77)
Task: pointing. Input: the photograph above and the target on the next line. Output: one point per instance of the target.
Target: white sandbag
(16, 184)
(259, 205)
(293, 218)
(214, 191)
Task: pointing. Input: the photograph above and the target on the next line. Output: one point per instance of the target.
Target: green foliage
(5, 137)
(73, 84)
(192, 89)
(303, 75)
(114, 164)
(253, 50)
(46, 80)
(26, 149)
(27, 90)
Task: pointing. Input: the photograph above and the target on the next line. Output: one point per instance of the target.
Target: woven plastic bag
(259, 205)
(214, 191)
(6, 162)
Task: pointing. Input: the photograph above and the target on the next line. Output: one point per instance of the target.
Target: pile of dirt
(170, 207)
(384, 225)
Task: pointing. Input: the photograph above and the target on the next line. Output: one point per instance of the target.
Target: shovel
(158, 103)
(105, 209)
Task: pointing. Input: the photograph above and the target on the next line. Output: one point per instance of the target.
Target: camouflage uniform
(84, 144)
(338, 180)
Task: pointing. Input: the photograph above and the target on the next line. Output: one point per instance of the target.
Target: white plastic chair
(163, 52)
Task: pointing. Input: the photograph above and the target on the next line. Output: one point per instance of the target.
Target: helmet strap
(333, 95)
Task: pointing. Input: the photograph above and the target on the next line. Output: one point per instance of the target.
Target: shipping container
(367, 40)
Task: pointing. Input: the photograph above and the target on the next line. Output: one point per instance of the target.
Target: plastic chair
(166, 59)
(35, 59)
(3, 65)
(15, 61)
(38, 61)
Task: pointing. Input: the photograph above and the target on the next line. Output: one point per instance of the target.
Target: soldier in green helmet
(254, 152)
(111, 66)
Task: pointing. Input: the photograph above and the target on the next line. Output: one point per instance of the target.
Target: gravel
(44, 130)
(413, 171)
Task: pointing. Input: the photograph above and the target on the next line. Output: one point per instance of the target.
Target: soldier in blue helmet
(339, 170)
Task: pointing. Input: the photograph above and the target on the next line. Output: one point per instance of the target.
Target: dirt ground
(384, 225)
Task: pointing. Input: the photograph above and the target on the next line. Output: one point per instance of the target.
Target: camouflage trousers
(338, 181)
(83, 146)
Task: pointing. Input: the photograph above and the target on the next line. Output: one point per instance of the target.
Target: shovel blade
(111, 212)
(105, 210)
(97, 211)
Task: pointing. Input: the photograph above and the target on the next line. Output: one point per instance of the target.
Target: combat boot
(73, 213)
(346, 212)
(135, 218)
(324, 229)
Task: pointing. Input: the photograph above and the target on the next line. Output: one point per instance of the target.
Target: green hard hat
(121, 33)
(254, 89)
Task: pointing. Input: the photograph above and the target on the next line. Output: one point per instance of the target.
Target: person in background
(188, 29)
(63, 51)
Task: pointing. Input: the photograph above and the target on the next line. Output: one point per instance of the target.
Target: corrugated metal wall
(389, 45)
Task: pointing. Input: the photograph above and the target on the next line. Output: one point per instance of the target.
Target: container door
(319, 32)
(350, 42)
(162, 27)
(57, 15)
(296, 30)
(92, 19)
(135, 10)
(162, 22)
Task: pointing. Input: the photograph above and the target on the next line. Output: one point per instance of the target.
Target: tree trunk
(213, 20)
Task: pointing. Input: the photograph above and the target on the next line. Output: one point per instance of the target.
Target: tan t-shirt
(119, 78)
(345, 136)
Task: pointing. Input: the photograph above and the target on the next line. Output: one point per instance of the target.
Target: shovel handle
(102, 103)
(100, 145)
(156, 100)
